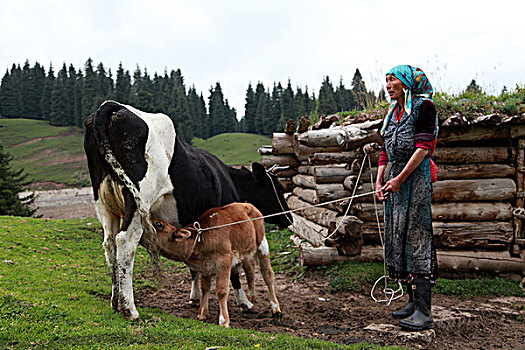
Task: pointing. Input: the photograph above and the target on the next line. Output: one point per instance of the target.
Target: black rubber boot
(409, 308)
(422, 317)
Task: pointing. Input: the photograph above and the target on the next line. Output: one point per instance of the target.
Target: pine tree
(287, 108)
(180, 113)
(27, 92)
(143, 91)
(359, 90)
(250, 108)
(61, 113)
(217, 111)
(327, 104)
(123, 85)
(4, 93)
(344, 97)
(74, 88)
(263, 111)
(45, 100)
(105, 88)
(230, 115)
(12, 183)
(39, 79)
(198, 112)
(299, 104)
(89, 89)
(261, 108)
(11, 97)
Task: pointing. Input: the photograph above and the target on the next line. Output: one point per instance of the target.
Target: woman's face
(394, 87)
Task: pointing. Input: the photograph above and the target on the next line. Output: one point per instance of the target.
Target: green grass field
(234, 149)
(47, 153)
(55, 154)
(55, 289)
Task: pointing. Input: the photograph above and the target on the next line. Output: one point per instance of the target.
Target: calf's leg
(268, 275)
(249, 268)
(222, 286)
(205, 290)
(195, 294)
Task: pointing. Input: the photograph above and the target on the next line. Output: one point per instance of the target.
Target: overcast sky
(238, 42)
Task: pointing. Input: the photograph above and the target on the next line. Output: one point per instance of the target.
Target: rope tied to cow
(200, 229)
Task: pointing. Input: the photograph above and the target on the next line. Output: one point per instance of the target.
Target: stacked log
(480, 183)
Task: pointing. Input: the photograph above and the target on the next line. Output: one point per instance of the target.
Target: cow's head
(269, 196)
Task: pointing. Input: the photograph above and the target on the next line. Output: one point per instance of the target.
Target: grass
(55, 289)
(468, 104)
(55, 154)
(234, 148)
(46, 153)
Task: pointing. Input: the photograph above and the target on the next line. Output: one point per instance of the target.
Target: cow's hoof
(248, 309)
(134, 319)
(277, 315)
(194, 302)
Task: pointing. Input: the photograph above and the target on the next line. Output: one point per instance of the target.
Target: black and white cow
(139, 169)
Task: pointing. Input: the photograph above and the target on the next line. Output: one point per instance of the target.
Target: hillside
(234, 149)
(54, 156)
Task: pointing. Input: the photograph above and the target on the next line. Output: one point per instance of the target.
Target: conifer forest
(68, 96)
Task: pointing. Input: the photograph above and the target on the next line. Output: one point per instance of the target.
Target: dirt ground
(310, 310)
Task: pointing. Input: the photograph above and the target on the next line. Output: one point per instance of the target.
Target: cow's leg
(110, 224)
(195, 294)
(222, 286)
(240, 297)
(249, 268)
(205, 289)
(268, 276)
(127, 242)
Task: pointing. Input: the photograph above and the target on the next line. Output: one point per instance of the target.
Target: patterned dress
(409, 246)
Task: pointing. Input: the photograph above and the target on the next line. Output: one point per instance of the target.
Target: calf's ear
(183, 233)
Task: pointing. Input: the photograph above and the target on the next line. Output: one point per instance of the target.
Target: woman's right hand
(380, 194)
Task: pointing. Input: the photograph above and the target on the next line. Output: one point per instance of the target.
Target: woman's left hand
(392, 185)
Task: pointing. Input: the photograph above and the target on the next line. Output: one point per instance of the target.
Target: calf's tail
(149, 236)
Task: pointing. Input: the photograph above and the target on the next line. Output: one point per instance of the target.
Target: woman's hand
(380, 194)
(392, 185)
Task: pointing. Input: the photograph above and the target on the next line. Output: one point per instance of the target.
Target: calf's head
(173, 243)
(268, 196)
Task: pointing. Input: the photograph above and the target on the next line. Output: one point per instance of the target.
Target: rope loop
(197, 226)
(390, 293)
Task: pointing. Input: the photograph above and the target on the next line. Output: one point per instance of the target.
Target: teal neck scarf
(417, 85)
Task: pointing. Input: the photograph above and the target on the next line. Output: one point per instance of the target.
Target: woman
(410, 130)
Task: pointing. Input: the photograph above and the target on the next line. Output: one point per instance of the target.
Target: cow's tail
(149, 236)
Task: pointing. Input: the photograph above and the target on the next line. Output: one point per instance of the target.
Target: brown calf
(218, 251)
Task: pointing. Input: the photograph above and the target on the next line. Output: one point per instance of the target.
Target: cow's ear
(258, 171)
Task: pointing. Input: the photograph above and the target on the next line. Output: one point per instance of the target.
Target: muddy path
(311, 310)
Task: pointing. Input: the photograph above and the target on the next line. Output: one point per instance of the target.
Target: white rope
(352, 198)
(199, 229)
(390, 294)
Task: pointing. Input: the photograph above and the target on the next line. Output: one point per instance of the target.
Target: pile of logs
(480, 184)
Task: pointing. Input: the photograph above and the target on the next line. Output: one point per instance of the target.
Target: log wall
(480, 185)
